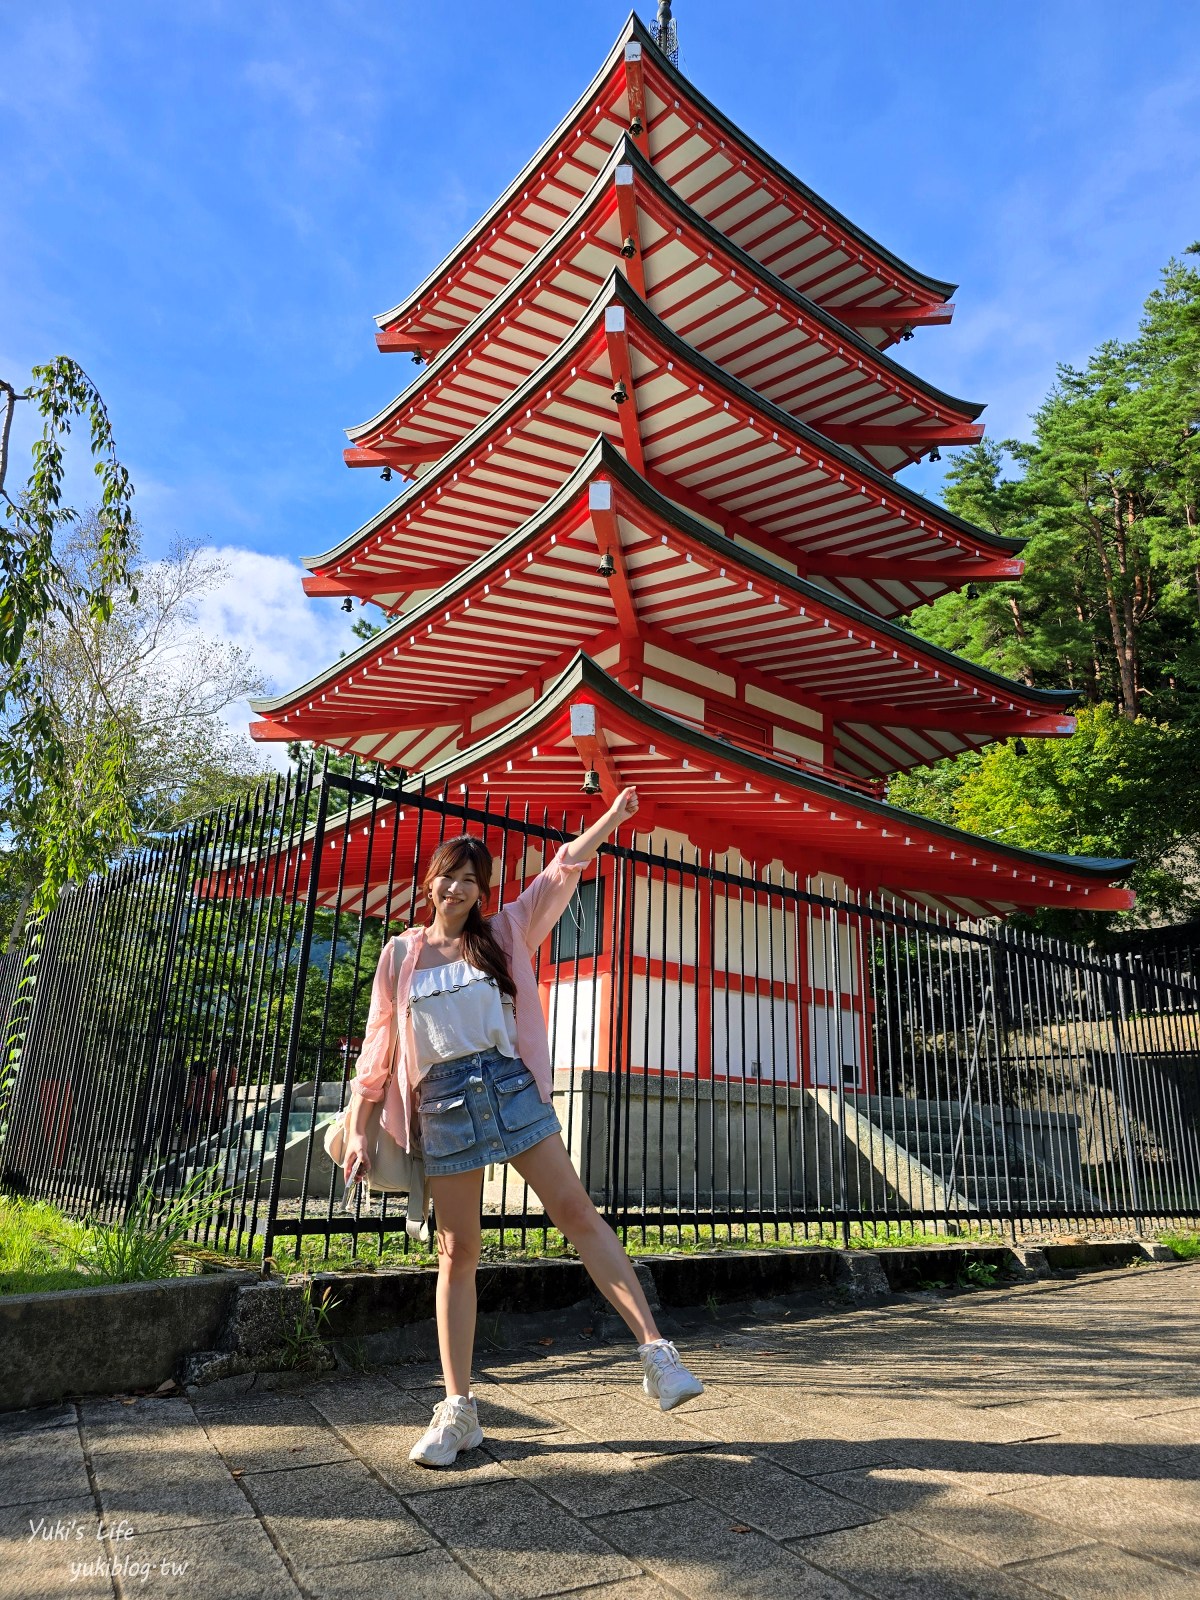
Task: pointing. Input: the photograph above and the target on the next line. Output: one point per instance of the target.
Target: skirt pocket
(446, 1125)
(519, 1101)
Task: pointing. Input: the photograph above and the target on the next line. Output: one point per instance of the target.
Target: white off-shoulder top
(456, 1010)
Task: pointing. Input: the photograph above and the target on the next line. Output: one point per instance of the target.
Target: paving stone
(984, 1469)
(628, 1589)
(803, 1444)
(515, 1543)
(989, 1528)
(246, 1390)
(429, 1575)
(178, 1484)
(146, 1424)
(760, 1493)
(40, 1543)
(1098, 1571)
(699, 1553)
(384, 1447)
(233, 1560)
(618, 1421)
(581, 1475)
(345, 1405)
(328, 1515)
(287, 1433)
(1124, 1512)
(16, 1425)
(44, 1465)
(1184, 1424)
(894, 1562)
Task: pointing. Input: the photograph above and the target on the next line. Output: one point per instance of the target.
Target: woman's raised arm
(582, 850)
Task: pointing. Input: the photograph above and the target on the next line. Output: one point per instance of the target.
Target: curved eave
(812, 436)
(617, 290)
(939, 289)
(584, 674)
(605, 459)
(634, 31)
(627, 154)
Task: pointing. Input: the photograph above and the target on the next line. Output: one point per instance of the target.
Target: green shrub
(1185, 1245)
(144, 1246)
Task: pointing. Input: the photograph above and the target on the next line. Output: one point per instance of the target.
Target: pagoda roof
(722, 798)
(510, 620)
(715, 167)
(708, 292)
(697, 434)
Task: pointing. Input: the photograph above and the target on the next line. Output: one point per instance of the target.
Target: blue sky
(206, 204)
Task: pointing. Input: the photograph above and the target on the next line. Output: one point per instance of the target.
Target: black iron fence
(734, 1048)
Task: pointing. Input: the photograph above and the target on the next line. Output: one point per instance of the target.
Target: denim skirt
(479, 1109)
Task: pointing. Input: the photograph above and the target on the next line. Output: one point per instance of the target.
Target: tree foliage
(71, 803)
(1106, 493)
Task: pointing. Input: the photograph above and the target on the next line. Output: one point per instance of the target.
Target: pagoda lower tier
(694, 786)
(714, 446)
(688, 619)
(714, 296)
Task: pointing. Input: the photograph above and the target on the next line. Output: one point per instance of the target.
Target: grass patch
(547, 1244)
(39, 1247)
(1185, 1245)
(43, 1249)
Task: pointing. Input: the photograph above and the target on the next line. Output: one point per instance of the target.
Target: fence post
(293, 1046)
(160, 1011)
(619, 1063)
(1116, 992)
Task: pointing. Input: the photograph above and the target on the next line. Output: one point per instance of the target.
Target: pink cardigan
(519, 929)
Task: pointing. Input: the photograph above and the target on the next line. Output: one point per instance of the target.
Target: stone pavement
(1028, 1441)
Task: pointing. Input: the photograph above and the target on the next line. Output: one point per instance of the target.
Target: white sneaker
(455, 1427)
(667, 1379)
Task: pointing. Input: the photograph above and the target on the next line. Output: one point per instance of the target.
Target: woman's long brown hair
(479, 942)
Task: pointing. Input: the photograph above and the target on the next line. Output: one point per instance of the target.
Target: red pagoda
(652, 513)
(652, 532)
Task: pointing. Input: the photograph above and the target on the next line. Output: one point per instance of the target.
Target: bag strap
(416, 1223)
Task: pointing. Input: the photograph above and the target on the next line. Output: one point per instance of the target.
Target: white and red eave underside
(687, 617)
(715, 168)
(707, 292)
(719, 796)
(699, 436)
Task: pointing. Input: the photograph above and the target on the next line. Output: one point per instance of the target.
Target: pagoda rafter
(709, 293)
(730, 793)
(715, 168)
(609, 559)
(704, 438)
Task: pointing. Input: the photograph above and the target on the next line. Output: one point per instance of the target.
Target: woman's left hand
(623, 807)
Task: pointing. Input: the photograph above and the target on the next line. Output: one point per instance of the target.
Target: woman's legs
(456, 1203)
(548, 1170)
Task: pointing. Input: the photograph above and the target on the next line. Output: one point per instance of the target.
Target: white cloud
(261, 607)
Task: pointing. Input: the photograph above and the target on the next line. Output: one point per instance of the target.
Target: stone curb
(215, 1326)
(108, 1338)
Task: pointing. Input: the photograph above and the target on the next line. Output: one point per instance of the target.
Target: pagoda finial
(665, 34)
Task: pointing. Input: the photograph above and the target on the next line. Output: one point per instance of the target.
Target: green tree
(1107, 499)
(1116, 788)
(70, 806)
(147, 667)
(1105, 494)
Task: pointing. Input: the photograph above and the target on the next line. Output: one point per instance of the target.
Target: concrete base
(119, 1336)
(221, 1326)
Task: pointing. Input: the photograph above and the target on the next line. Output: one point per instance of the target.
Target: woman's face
(456, 891)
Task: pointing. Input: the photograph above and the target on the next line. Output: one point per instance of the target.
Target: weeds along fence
(735, 1049)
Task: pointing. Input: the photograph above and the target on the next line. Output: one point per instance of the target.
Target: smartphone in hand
(355, 1178)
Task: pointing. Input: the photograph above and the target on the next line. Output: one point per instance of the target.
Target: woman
(455, 1033)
